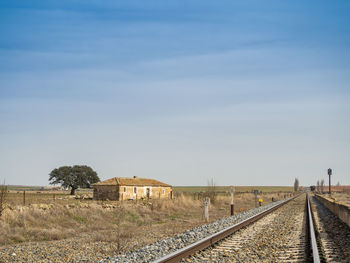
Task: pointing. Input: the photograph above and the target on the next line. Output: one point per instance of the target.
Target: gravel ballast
(277, 237)
(166, 246)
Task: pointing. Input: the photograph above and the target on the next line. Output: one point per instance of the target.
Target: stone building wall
(104, 192)
(113, 192)
(144, 192)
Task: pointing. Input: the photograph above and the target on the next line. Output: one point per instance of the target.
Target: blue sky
(246, 93)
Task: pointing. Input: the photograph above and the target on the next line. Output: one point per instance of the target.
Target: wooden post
(24, 197)
(54, 197)
(232, 190)
(206, 209)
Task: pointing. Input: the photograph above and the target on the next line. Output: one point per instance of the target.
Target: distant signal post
(329, 174)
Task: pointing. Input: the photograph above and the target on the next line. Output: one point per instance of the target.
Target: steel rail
(214, 238)
(312, 236)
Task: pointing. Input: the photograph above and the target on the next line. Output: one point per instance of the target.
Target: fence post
(206, 208)
(232, 190)
(24, 197)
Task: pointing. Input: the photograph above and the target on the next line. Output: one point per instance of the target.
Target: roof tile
(132, 181)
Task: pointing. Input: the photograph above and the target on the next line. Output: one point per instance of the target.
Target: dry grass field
(15, 198)
(54, 226)
(340, 197)
(238, 189)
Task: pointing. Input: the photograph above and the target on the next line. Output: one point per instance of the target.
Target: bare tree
(211, 191)
(322, 186)
(3, 197)
(318, 186)
(296, 184)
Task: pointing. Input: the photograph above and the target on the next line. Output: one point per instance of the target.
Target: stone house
(122, 188)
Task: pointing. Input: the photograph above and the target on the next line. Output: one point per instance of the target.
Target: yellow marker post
(260, 201)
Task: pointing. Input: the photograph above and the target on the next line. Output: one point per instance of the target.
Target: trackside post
(206, 209)
(232, 191)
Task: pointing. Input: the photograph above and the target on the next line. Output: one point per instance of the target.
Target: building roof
(135, 181)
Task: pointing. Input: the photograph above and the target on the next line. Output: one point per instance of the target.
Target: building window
(163, 191)
(124, 189)
(135, 190)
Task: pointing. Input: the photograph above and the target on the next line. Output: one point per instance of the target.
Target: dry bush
(211, 191)
(34, 224)
(181, 203)
(185, 201)
(120, 237)
(3, 197)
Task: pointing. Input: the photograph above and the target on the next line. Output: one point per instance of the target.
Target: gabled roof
(136, 181)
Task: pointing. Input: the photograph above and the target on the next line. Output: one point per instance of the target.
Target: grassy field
(46, 197)
(238, 189)
(23, 187)
(34, 195)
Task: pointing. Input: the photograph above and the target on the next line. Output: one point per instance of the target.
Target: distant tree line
(320, 186)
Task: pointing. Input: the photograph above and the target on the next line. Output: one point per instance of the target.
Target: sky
(241, 92)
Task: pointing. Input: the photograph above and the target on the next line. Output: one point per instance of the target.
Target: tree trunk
(72, 190)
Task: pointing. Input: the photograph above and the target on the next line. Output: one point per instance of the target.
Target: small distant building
(122, 188)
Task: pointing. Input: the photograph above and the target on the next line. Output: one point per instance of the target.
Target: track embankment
(162, 248)
(277, 237)
(341, 210)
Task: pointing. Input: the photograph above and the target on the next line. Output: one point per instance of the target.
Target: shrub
(3, 196)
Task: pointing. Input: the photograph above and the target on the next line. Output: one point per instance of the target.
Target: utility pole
(329, 174)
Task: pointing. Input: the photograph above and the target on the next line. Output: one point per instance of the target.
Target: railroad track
(282, 234)
(295, 230)
(234, 244)
(333, 235)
